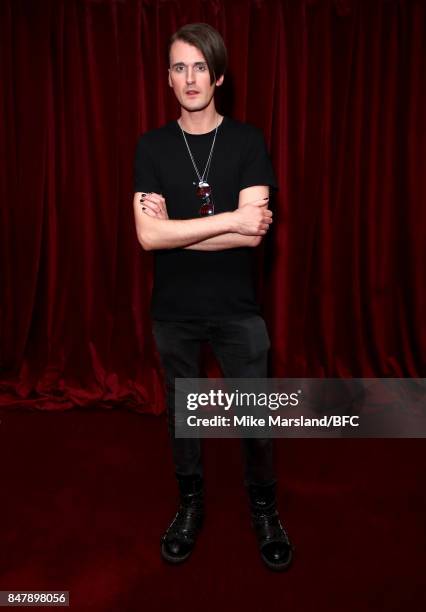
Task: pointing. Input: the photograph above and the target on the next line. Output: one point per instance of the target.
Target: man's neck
(199, 122)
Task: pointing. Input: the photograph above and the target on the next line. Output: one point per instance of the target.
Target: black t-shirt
(190, 284)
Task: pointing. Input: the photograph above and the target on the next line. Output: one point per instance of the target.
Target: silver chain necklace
(202, 178)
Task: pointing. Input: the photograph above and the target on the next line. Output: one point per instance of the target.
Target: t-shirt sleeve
(256, 166)
(145, 176)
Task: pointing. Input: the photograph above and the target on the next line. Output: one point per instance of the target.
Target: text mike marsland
(334, 420)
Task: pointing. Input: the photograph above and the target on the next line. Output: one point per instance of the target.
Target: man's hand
(154, 205)
(253, 218)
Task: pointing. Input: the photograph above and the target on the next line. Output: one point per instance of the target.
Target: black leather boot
(275, 547)
(179, 540)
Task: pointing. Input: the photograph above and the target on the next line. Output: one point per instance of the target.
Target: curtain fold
(339, 89)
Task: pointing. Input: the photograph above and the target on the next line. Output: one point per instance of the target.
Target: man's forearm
(154, 232)
(225, 241)
(171, 233)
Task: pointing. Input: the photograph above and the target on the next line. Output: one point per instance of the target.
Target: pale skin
(243, 227)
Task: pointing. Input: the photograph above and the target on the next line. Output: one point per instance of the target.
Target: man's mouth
(192, 92)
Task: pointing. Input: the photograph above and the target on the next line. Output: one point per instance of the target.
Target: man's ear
(219, 81)
(170, 79)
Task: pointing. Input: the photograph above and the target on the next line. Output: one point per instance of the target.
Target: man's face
(189, 77)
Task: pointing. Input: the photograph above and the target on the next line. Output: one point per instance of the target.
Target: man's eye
(201, 67)
(179, 68)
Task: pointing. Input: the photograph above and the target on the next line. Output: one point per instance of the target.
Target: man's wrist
(231, 222)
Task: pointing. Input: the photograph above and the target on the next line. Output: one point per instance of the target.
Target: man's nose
(189, 74)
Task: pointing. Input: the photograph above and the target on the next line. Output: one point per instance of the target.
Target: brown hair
(209, 42)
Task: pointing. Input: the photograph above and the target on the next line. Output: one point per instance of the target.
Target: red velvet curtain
(339, 88)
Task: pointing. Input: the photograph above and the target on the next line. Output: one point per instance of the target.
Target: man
(202, 189)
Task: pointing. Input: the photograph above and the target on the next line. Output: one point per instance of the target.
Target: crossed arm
(243, 227)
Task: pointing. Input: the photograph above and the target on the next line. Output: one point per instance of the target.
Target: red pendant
(203, 189)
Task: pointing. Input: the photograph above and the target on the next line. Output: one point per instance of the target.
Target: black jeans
(241, 347)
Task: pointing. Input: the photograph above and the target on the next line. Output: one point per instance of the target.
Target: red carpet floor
(86, 496)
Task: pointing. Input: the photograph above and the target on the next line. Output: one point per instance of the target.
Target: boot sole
(173, 560)
(282, 566)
